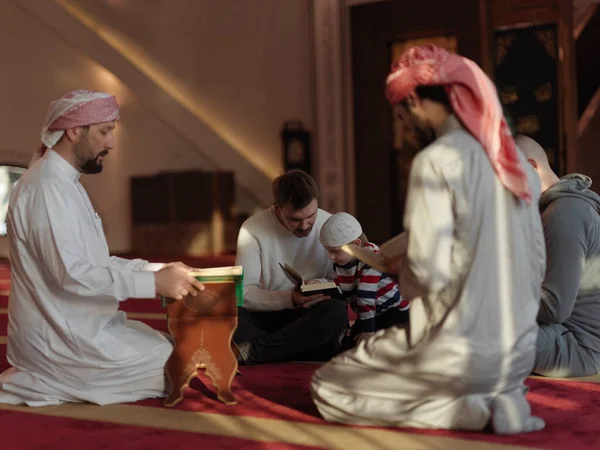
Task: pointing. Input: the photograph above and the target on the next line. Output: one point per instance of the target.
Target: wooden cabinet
(184, 213)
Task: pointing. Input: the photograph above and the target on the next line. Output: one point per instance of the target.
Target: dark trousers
(390, 318)
(302, 334)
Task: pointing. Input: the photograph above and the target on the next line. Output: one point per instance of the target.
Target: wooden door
(376, 30)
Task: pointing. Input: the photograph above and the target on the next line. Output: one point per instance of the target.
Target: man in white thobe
(473, 269)
(67, 340)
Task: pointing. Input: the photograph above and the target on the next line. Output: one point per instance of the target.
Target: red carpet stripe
(569, 408)
(3, 324)
(130, 305)
(149, 305)
(262, 391)
(3, 362)
(566, 429)
(31, 431)
(334, 437)
(281, 391)
(158, 324)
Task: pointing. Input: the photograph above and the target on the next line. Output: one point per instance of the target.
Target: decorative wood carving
(202, 328)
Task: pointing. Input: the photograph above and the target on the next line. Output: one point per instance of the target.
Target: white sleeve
(58, 246)
(429, 222)
(136, 264)
(255, 298)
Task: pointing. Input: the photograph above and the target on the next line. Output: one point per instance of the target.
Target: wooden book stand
(202, 328)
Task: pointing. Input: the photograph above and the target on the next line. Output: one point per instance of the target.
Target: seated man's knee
(243, 313)
(335, 310)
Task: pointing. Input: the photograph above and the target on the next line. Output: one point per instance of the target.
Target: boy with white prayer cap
(372, 295)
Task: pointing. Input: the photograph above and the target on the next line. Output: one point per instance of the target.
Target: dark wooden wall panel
(151, 199)
(374, 27)
(188, 212)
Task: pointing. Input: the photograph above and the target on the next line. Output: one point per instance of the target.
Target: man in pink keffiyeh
(471, 97)
(472, 268)
(71, 116)
(68, 340)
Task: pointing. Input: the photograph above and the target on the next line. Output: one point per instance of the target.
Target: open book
(388, 251)
(220, 275)
(331, 289)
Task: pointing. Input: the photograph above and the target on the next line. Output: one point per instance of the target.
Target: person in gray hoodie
(568, 343)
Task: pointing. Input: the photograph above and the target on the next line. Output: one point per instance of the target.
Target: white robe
(474, 266)
(67, 340)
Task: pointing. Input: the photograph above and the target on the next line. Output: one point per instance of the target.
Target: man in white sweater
(277, 322)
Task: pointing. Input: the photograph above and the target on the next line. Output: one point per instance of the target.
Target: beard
(92, 165)
(88, 164)
(302, 233)
(421, 134)
(424, 136)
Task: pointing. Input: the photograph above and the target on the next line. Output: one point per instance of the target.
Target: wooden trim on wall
(330, 151)
(333, 152)
(508, 13)
(486, 31)
(568, 85)
(348, 99)
(417, 34)
(584, 19)
(588, 114)
(521, 13)
(334, 137)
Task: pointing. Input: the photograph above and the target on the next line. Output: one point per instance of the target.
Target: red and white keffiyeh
(76, 109)
(474, 100)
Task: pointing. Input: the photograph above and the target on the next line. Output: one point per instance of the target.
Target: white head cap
(341, 228)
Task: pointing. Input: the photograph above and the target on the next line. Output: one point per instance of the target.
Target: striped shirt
(369, 292)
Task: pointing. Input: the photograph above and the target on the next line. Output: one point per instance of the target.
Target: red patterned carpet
(274, 411)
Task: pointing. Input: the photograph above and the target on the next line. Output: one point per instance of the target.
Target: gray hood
(574, 185)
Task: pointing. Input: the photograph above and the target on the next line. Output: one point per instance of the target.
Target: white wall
(245, 62)
(248, 63)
